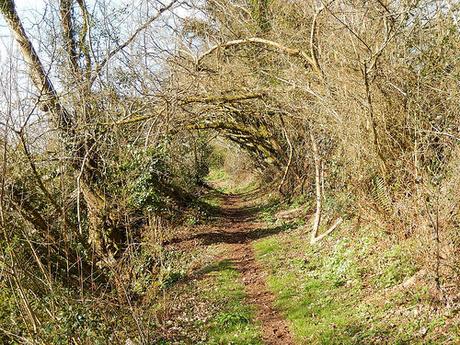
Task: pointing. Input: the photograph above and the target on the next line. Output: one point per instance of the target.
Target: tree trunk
(50, 103)
(317, 159)
(319, 187)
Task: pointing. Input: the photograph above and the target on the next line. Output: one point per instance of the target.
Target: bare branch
(65, 9)
(256, 40)
(50, 101)
(111, 54)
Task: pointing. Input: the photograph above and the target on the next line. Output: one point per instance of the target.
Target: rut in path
(239, 227)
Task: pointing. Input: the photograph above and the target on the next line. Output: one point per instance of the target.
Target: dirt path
(274, 327)
(236, 229)
(239, 227)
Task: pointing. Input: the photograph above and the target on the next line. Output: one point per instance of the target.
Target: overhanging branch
(256, 40)
(189, 100)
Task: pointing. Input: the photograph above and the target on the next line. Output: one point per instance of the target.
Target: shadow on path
(236, 222)
(236, 227)
(232, 237)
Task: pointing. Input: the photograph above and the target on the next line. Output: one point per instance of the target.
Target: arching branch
(190, 100)
(256, 40)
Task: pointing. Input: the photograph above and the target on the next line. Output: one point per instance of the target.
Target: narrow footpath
(239, 225)
(236, 228)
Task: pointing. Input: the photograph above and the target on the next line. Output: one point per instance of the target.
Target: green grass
(310, 300)
(217, 174)
(333, 293)
(234, 323)
(226, 184)
(212, 309)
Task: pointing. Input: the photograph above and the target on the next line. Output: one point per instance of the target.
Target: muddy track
(239, 224)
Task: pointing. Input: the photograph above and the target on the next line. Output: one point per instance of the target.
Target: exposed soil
(237, 228)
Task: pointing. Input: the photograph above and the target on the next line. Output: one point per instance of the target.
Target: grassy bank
(352, 288)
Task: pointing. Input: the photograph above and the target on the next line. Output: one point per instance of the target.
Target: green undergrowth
(204, 209)
(211, 309)
(217, 175)
(247, 187)
(267, 211)
(347, 289)
(224, 183)
(273, 204)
